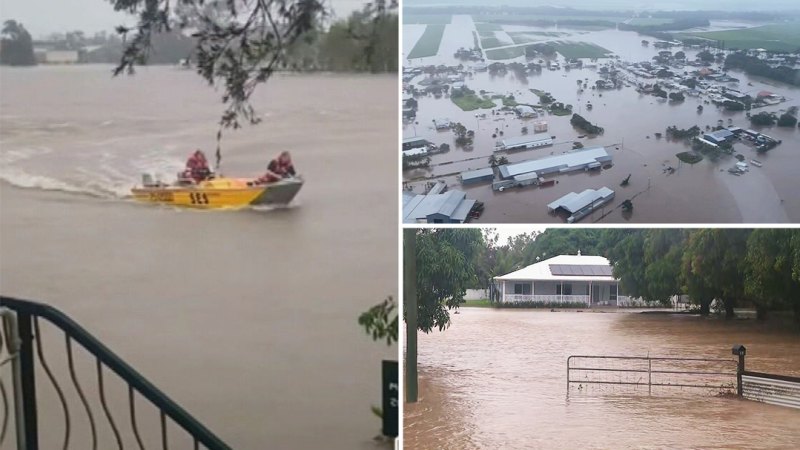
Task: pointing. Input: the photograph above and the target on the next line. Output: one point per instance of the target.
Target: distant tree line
(360, 42)
(754, 66)
(682, 23)
(737, 267)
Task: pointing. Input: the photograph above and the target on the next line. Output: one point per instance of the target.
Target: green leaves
(381, 321)
(445, 269)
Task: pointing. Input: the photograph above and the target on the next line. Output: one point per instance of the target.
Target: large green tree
(16, 45)
(713, 264)
(663, 251)
(771, 276)
(444, 271)
(625, 251)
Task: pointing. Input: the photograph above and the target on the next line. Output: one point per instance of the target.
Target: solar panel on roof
(580, 270)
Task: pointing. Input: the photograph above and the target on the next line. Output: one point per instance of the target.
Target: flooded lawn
(497, 379)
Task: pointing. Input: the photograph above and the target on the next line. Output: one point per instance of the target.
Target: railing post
(740, 351)
(27, 383)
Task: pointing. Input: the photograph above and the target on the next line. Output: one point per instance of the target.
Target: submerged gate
(724, 375)
(650, 372)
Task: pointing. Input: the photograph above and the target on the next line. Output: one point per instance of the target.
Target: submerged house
(564, 279)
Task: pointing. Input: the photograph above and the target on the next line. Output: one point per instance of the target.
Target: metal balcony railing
(21, 350)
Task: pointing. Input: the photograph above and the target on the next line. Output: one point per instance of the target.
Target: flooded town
(514, 120)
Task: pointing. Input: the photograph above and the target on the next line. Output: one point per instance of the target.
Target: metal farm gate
(720, 374)
(652, 372)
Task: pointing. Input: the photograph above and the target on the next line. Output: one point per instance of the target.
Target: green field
(580, 50)
(483, 27)
(525, 38)
(471, 102)
(428, 43)
(426, 19)
(483, 303)
(505, 53)
(485, 34)
(645, 21)
(492, 42)
(776, 37)
(582, 22)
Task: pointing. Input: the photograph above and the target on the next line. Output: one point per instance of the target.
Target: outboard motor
(147, 180)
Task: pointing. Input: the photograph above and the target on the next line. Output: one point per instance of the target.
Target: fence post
(740, 351)
(27, 382)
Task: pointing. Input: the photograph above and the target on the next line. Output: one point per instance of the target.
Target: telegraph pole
(410, 307)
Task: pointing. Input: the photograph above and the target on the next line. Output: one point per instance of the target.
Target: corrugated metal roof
(541, 270)
(448, 204)
(523, 140)
(477, 174)
(573, 202)
(565, 161)
(463, 209)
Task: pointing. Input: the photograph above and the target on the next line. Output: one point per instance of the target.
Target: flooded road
(497, 379)
(247, 319)
(704, 192)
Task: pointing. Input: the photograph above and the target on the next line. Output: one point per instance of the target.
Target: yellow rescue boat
(218, 192)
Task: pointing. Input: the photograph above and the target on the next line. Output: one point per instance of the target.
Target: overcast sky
(636, 5)
(42, 17)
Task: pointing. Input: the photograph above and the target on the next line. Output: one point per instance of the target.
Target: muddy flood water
(703, 192)
(248, 319)
(497, 379)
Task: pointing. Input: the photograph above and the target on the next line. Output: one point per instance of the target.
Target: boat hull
(221, 193)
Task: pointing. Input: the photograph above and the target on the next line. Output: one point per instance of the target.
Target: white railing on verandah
(514, 298)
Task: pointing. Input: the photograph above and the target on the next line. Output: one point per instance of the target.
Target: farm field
(492, 42)
(427, 19)
(644, 21)
(526, 37)
(428, 43)
(505, 53)
(775, 37)
(580, 50)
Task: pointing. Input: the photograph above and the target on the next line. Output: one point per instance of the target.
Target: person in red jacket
(197, 167)
(279, 168)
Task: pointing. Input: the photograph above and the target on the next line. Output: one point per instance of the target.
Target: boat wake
(107, 176)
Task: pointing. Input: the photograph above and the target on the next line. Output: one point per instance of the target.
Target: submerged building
(579, 205)
(436, 207)
(580, 160)
(523, 142)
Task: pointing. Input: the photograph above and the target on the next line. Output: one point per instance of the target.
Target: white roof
(566, 162)
(574, 202)
(523, 140)
(541, 270)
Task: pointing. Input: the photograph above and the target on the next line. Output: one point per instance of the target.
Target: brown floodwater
(248, 319)
(497, 379)
(700, 193)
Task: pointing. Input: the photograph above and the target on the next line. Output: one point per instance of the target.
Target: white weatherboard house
(564, 279)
